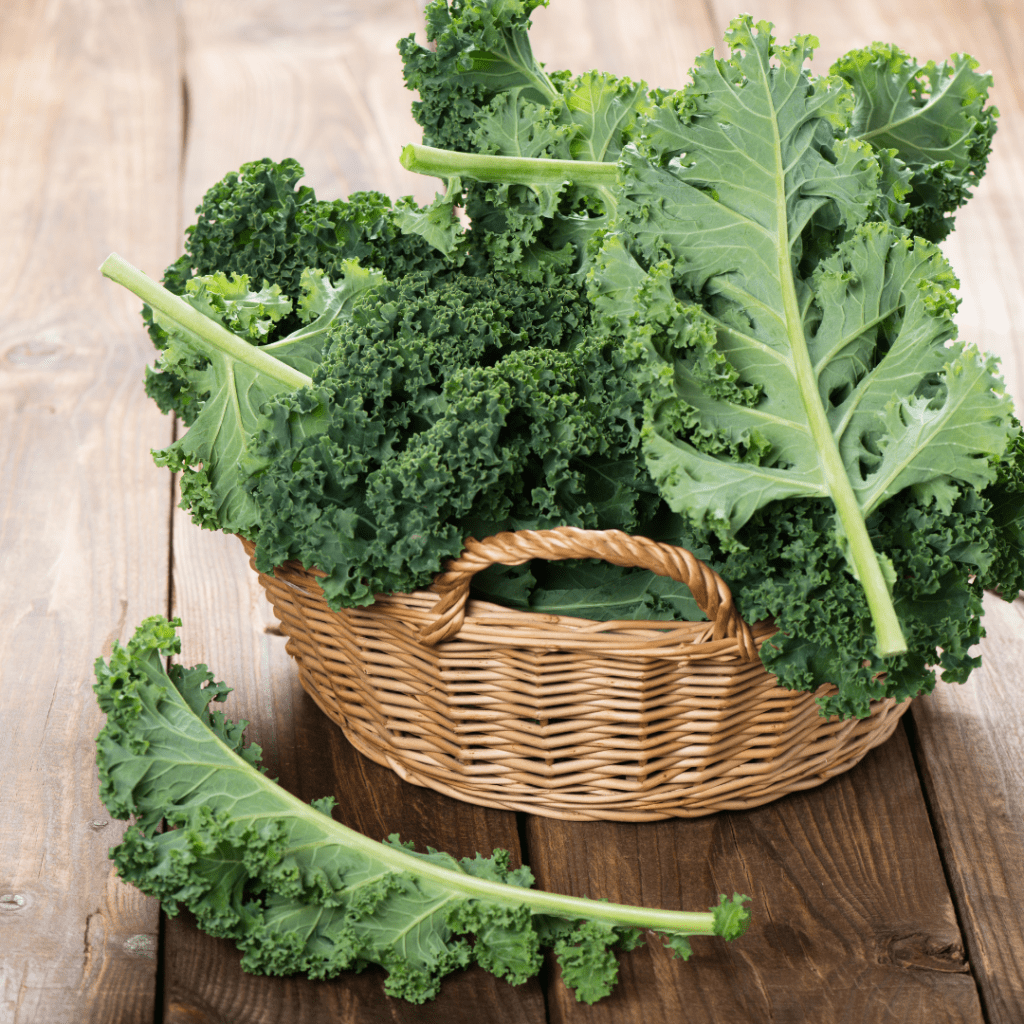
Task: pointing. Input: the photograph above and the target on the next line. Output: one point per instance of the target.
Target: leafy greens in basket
(301, 893)
(788, 332)
(713, 316)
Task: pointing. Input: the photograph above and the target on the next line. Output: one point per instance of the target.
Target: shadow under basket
(565, 717)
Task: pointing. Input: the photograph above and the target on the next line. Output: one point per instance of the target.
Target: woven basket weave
(575, 719)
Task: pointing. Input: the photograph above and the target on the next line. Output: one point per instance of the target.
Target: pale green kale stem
(209, 331)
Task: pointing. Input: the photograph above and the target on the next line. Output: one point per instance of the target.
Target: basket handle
(709, 590)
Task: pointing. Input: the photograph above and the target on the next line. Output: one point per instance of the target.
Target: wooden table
(894, 892)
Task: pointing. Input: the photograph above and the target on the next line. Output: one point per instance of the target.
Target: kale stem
(508, 170)
(208, 331)
(862, 555)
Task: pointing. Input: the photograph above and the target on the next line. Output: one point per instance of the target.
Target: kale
(261, 224)
(792, 569)
(934, 117)
(453, 409)
(758, 365)
(825, 367)
(300, 893)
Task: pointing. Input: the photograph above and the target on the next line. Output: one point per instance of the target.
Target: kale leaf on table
(300, 893)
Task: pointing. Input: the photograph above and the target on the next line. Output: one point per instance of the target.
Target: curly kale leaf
(942, 557)
(481, 49)
(261, 224)
(858, 394)
(301, 893)
(483, 92)
(438, 222)
(1005, 574)
(454, 409)
(933, 116)
(229, 381)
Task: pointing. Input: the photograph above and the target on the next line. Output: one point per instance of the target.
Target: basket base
(804, 774)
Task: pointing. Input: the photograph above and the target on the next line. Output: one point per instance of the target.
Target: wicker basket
(628, 721)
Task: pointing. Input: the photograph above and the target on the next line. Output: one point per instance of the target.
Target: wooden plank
(321, 83)
(851, 917)
(971, 751)
(89, 147)
(654, 41)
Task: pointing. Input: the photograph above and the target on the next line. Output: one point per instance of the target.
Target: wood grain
(321, 83)
(971, 744)
(89, 147)
(851, 917)
(853, 920)
(654, 41)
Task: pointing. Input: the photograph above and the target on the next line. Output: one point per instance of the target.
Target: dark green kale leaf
(260, 223)
(229, 381)
(481, 50)
(482, 91)
(1005, 574)
(455, 407)
(790, 570)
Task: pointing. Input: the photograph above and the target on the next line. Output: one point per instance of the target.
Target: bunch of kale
(502, 377)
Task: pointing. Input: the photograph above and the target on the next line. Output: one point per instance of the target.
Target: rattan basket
(628, 721)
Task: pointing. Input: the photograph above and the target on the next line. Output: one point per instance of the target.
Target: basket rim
(450, 588)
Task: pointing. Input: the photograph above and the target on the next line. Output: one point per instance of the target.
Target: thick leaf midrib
(832, 467)
(212, 335)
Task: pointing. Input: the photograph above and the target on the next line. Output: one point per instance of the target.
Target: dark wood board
(971, 751)
(851, 916)
(89, 150)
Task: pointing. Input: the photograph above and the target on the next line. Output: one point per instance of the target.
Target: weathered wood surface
(90, 126)
(854, 918)
(971, 744)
